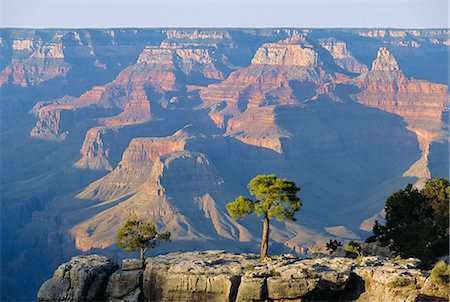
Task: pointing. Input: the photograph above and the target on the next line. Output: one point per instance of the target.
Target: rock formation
(152, 180)
(84, 278)
(34, 62)
(282, 73)
(221, 276)
(420, 103)
(342, 56)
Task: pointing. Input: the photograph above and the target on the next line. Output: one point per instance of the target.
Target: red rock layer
(240, 100)
(155, 69)
(420, 103)
(149, 149)
(34, 63)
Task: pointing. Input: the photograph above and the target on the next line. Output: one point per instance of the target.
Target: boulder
(132, 264)
(123, 283)
(83, 278)
(279, 288)
(252, 289)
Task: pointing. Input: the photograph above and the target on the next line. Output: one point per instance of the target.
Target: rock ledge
(222, 276)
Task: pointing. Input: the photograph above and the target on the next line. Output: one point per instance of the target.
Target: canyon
(170, 124)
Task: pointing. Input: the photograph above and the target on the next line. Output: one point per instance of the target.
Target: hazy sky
(233, 13)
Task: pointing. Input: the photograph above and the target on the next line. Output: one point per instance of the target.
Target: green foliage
(275, 198)
(417, 221)
(137, 234)
(440, 273)
(398, 258)
(332, 246)
(240, 207)
(353, 249)
(398, 282)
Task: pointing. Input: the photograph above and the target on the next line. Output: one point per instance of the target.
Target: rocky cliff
(221, 276)
(35, 62)
(420, 103)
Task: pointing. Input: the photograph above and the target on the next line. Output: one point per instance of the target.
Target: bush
(417, 222)
(440, 273)
(398, 282)
(353, 249)
(332, 246)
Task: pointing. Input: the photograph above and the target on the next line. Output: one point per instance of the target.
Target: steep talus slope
(160, 180)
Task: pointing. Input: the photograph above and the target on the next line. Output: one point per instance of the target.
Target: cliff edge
(222, 276)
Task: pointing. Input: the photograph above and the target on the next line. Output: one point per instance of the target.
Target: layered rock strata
(34, 62)
(342, 56)
(221, 276)
(420, 103)
(284, 73)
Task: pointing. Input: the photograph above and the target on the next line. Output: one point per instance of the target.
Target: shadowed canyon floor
(171, 124)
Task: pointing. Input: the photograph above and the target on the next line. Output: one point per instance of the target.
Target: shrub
(353, 249)
(332, 246)
(440, 273)
(398, 282)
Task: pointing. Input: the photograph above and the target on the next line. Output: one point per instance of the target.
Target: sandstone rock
(35, 62)
(384, 61)
(285, 55)
(419, 102)
(342, 56)
(252, 289)
(279, 288)
(124, 283)
(84, 278)
(132, 264)
(222, 276)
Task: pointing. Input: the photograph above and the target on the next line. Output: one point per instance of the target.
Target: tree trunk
(143, 253)
(265, 238)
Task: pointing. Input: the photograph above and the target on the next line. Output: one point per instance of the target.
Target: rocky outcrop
(284, 73)
(285, 55)
(420, 103)
(158, 179)
(342, 56)
(34, 62)
(84, 278)
(155, 70)
(221, 276)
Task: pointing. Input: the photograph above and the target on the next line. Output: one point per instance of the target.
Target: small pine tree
(137, 234)
(275, 198)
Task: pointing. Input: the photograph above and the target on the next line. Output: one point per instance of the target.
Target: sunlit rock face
(221, 276)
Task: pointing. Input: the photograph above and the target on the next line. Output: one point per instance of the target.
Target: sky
(222, 13)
